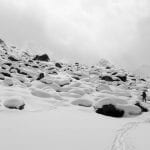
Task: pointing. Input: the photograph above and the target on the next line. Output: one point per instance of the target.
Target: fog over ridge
(81, 30)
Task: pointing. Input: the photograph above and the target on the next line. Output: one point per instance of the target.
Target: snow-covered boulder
(62, 82)
(43, 57)
(103, 87)
(110, 100)
(123, 93)
(107, 78)
(38, 84)
(14, 103)
(116, 107)
(77, 91)
(40, 93)
(75, 84)
(2, 77)
(8, 82)
(130, 110)
(82, 102)
(142, 106)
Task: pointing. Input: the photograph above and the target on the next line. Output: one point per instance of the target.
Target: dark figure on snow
(144, 95)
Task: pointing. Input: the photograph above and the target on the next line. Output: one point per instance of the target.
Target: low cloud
(82, 30)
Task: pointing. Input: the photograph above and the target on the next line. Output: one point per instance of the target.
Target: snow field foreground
(58, 129)
(139, 137)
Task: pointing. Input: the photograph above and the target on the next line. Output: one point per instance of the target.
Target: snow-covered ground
(52, 105)
(67, 128)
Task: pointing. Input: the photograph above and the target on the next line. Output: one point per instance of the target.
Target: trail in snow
(119, 142)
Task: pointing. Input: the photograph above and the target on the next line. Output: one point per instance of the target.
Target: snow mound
(103, 87)
(8, 82)
(38, 84)
(14, 103)
(142, 106)
(40, 93)
(77, 91)
(130, 110)
(72, 95)
(82, 102)
(116, 107)
(123, 93)
(110, 100)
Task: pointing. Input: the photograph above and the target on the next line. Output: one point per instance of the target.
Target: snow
(77, 91)
(130, 110)
(139, 137)
(110, 100)
(82, 102)
(59, 111)
(8, 82)
(40, 93)
(56, 129)
(14, 103)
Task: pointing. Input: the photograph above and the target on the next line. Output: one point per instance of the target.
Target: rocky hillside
(103, 88)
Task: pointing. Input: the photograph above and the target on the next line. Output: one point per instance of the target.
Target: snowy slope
(47, 104)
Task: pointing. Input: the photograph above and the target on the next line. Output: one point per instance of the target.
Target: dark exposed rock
(35, 66)
(8, 64)
(58, 65)
(2, 78)
(12, 68)
(3, 67)
(18, 71)
(133, 79)
(41, 76)
(27, 65)
(122, 78)
(132, 76)
(110, 110)
(43, 57)
(12, 58)
(108, 67)
(30, 61)
(6, 74)
(75, 77)
(143, 80)
(51, 68)
(144, 109)
(19, 107)
(29, 76)
(24, 73)
(114, 73)
(61, 85)
(107, 78)
(1, 41)
(77, 64)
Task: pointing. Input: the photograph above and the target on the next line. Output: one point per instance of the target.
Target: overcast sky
(82, 30)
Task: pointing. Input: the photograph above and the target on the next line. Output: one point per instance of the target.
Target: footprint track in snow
(119, 141)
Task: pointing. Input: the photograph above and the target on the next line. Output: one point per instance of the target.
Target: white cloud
(85, 30)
